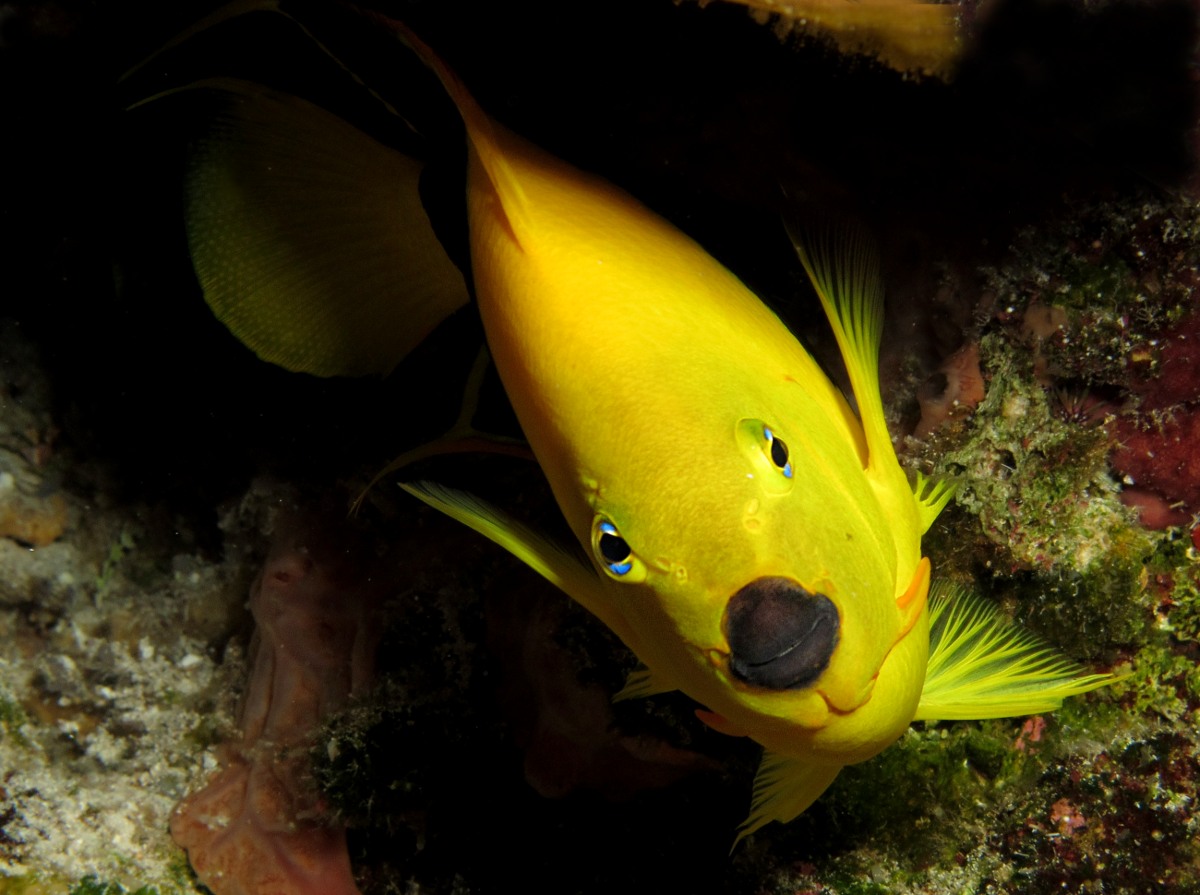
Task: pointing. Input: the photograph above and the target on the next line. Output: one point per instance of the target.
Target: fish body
(646, 377)
(749, 536)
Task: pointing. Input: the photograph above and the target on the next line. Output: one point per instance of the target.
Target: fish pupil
(779, 452)
(614, 548)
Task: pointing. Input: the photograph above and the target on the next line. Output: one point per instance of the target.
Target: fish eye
(614, 549)
(778, 450)
(615, 555)
(768, 456)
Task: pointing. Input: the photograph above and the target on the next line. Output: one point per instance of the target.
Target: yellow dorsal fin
(932, 496)
(983, 667)
(844, 269)
(492, 143)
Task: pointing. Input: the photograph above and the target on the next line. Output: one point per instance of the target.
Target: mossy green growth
(1163, 678)
(1160, 681)
(1040, 489)
(1040, 486)
(125, 544)
(12, 719)
(90, 885)
(182, 879)
(1098, 331)
(1182, 616)
(1110, 278)
(1088, 282)
(844, 885)
(945, 771)
(208, 731)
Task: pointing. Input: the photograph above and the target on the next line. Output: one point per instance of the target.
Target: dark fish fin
(217, 17)
(642, 683)
(462, 437)
(309, 238)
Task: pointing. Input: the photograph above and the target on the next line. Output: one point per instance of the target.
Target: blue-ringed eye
(767, 456)
(778, 450)
(614, 551)
(615, 555)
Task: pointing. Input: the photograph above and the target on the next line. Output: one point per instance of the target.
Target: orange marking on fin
(720, 723)
(912, 602)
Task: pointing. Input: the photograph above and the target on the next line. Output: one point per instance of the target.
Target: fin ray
(980, 666)
(487, 138)
(310, 239)
(783, 788)
(217, 17)
(844, 269)
(642, 683)
(931, 495)
(461, 437)
(559, 564)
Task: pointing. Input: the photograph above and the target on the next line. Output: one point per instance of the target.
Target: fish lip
(781, 635)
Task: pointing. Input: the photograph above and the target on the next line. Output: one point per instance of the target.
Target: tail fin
(309, 238)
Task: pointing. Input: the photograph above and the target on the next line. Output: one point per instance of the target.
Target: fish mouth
(781, 636)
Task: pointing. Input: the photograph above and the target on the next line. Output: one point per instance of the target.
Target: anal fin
(783, 788)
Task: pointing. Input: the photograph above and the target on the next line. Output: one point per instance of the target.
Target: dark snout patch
(780, 636)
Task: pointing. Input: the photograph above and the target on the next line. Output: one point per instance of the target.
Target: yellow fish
(749, 536)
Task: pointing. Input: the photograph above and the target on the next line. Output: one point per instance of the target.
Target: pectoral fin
(561, 565)
(983, 667)
(783, 788)
(642, 683)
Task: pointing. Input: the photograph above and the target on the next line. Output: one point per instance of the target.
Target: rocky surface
(1041, 263)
